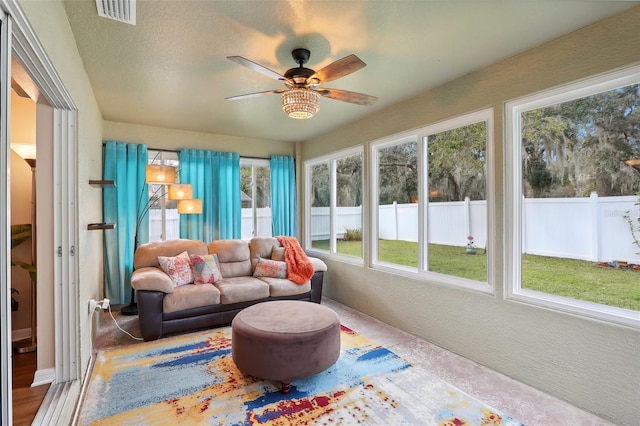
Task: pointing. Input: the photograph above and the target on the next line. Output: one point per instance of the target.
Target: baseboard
(21, 334)
(44, 377)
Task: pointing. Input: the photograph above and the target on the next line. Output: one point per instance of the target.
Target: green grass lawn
(564, 277)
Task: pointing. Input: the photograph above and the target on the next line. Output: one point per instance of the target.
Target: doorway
(27, 394)
(56, 302)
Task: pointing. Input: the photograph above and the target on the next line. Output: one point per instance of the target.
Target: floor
(520, 401)
(26, 400)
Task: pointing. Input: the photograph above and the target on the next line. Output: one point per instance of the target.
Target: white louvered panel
(118, 10)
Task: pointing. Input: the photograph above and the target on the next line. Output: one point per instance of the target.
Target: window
(334, 209)
(255, 185)
(573, 197)
(429, 201)
(397, 202)
(164, 221)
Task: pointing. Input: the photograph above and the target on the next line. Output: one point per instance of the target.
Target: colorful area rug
(191, 379)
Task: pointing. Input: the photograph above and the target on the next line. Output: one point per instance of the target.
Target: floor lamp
(27, 152)
(161, 175)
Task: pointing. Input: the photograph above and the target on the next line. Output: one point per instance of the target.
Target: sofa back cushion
(234, 257)
(147, 254)
(261, 247)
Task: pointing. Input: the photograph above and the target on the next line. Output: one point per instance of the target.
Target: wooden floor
(26, 400)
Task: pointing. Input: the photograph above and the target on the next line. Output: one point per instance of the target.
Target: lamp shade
(193, 206)
(300, 103)
(158, 174)
(180, 191)
(26, 151)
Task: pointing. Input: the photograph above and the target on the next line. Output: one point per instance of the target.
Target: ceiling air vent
(118, 10)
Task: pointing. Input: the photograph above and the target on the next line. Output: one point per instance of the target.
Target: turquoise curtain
(124, 163)
(215, 177)
(283, 196)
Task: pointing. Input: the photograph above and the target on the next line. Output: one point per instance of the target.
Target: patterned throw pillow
(205, 268)
(277, 253)
(178, 268)
(270, 268)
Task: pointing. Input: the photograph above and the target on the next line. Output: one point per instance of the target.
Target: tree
(457, 162)
(398, 173)
(576, 147)
(349, 181)
(320, 190)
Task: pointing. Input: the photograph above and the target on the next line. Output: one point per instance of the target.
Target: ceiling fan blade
(255, 95)
(346, 96)
(256, 67)
(339, 68)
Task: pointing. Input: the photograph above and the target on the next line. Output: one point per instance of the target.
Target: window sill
(577, 307)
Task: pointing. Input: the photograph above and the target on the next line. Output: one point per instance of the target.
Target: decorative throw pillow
(178, 268)
(270, 268)
(205, 268)
(277, 253)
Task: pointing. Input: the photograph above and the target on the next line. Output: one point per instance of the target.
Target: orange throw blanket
(299, 267)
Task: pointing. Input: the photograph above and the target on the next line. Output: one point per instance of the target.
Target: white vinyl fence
(589, 228)
(263, 224)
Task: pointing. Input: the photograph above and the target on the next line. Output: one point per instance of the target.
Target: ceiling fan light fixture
(300, 103)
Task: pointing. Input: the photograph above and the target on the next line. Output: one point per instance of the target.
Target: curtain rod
(175, 150)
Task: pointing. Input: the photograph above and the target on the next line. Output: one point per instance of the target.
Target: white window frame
(253, 163)
(513, 197)
(332, 159)
(421, 136)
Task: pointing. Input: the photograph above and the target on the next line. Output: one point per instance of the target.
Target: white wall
(592, 364)
(172, 139)
(50, 24)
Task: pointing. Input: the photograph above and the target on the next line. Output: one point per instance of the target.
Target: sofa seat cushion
(152, 278)
(190, 296)
(279, 287)
(241, 289)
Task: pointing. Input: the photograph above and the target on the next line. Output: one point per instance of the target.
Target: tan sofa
(165, 309)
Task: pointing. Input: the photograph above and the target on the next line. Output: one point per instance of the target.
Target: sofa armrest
(318, 265)
(316, 286)
(151, 278)
(150, 314)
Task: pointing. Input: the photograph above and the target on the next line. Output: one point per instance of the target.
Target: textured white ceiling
(170, 70)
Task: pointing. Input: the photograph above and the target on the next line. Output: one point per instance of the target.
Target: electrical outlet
(93, 304)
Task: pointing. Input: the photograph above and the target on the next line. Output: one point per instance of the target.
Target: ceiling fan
(301, 98)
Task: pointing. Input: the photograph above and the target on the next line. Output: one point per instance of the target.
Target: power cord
(101, 305)
(121, 329)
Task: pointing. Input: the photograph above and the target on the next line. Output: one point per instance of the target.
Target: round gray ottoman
(285, 340)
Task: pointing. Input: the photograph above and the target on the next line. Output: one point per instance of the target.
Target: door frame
(17, 39)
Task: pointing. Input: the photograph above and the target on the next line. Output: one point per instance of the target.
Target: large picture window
(334, 211)
(429, 201)
(573, 197)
